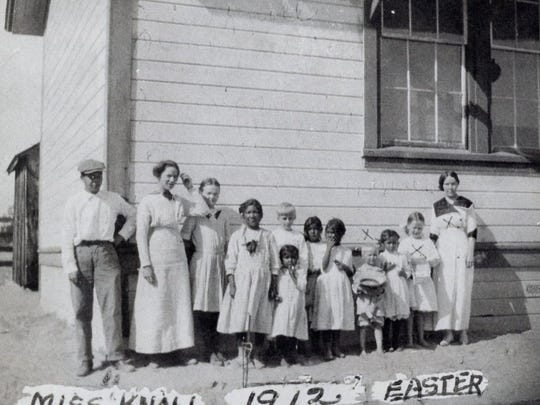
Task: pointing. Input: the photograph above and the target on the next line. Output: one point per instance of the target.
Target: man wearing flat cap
(89, 259)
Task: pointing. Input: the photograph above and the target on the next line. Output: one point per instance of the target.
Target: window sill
(432, 154)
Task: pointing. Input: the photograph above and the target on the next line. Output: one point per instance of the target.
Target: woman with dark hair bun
(162, 318)
(453, 228)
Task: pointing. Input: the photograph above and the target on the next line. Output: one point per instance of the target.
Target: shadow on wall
(501, 301)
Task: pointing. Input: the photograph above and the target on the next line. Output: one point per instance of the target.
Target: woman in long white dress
(162, 316)
(453, 228)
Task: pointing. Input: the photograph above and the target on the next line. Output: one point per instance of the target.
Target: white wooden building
(346, 108)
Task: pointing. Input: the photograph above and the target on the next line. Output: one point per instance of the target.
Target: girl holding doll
(334, 306)
(252, 266)
(208, 236)
(422, 256)
(368, 286)
(397, 300)
(290, 320)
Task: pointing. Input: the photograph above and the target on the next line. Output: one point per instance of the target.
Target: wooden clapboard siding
(506, 299)
(224, 96)
(243, 117)
(246, 59)
(506, 289)
(74, 109)
(268, 97)
(504, 324)
(506, 274)
(267, 21)
(229, 76)
(174, 32)
(234, 173)
(300, 10)
(256, 85)
(348, 197)
(505, 306)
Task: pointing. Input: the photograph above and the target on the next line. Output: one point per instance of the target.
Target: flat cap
(90, 166)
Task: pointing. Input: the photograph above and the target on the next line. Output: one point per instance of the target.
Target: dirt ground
(37, 348)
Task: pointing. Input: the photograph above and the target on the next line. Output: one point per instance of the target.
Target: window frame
(411, 37)
(476, 154)
(514, 51)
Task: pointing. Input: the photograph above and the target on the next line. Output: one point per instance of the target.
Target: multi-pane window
(515, 48)
(440, 86)
(422, 76)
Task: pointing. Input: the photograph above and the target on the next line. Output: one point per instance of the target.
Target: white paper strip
(430, 386)
(61, 395)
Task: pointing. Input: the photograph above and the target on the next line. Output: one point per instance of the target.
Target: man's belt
(94, 243)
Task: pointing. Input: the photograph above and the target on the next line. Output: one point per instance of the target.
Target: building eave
(27, 17)
(17, 158)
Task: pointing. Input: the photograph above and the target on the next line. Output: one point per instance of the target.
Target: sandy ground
(37, 348)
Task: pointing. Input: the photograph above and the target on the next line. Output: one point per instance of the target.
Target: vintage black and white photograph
(284, 202)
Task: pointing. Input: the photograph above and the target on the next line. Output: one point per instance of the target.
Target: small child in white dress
(397, 301)
(334, 304)
(252, 265)
(423, 256)
(368, 286)
(285, 235)
(290, 319)
(316, 249)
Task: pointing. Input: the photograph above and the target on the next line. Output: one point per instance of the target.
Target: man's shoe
(123, 365)
(85, 368)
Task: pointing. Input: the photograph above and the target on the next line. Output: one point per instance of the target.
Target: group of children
(299, 290)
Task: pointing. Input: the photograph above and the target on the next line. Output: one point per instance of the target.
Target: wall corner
(117, 150)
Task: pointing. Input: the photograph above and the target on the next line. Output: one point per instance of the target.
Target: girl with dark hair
(397, 300)
(208, 236)
(334, 305)
(453, 228)
(252, 265)
(316, 249)
(290, 320)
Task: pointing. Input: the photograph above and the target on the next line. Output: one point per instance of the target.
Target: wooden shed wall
(74, 103)
(267, 96)
(25, 221)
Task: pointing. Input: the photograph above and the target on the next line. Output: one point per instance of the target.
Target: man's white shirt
(92, 217)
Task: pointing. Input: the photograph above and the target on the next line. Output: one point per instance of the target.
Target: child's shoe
(215, 360)
(302, 360)
(284, 362)
(328, 355)
(336, 351)
(258, 364)
(423, 343)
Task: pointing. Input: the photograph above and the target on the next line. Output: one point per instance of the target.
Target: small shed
(25, 217)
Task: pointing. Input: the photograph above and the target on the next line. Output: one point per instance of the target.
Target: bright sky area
(20, 100)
